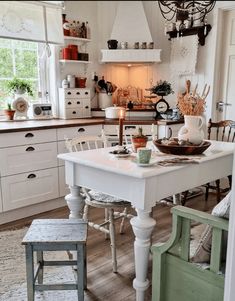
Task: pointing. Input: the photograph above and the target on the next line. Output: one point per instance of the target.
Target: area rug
(12, 271)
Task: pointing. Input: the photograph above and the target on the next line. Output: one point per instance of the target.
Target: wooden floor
(103, 284)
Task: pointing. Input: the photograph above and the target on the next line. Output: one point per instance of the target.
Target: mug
(143, 155)
(112, 44)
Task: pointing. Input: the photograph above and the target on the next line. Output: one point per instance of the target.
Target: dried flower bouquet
(193, 103)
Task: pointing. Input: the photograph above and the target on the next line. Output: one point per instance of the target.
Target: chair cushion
(105, 198)
(203, 250)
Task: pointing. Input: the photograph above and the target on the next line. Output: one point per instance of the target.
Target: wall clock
(161, 107)
(20, 106)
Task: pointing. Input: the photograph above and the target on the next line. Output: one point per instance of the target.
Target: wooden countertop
(18, 126)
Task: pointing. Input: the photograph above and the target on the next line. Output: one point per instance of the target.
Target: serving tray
(181, 149)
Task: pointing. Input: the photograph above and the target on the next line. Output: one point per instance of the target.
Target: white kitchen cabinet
(74, 103)
(27, 137)
(29, 172)
(71, 132)
(29, 188)
(26, 158)
(112, 131)
(168, 130)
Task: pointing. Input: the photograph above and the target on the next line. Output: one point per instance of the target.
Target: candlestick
(120, 130)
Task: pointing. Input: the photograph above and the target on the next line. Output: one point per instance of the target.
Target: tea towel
(184, 55)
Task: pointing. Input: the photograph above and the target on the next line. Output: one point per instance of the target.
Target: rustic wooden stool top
(56, 230)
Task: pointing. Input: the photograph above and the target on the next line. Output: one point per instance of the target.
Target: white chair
(101, 200)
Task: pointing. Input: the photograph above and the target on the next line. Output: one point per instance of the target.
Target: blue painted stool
(55, 235)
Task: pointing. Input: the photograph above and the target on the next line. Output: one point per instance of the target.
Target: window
(21, 59)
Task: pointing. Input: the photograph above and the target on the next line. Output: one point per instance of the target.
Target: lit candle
(121, 118)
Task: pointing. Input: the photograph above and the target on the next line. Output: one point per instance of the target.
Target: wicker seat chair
(101, 200)
(220, 131)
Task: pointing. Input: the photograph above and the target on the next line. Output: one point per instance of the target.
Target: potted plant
(139, 140)
(9, 112)
(162, 88)
(20, 86)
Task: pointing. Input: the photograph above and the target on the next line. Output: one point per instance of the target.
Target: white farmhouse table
(142, 186)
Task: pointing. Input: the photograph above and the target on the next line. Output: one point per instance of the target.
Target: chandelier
(185, 10)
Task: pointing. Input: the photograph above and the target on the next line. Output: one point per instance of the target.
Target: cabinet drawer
(29, 188)
(73, 103)
(63, 187)
(73, 113)
(168, 130)
(75, 93)
(27, 137)
(72, 132)
(128, 128)
(25, 158)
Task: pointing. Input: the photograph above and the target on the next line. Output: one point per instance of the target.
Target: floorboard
(102, 283)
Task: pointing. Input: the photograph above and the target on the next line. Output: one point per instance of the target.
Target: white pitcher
(192, 129)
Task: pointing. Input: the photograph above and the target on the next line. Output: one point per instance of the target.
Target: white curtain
(31, 21)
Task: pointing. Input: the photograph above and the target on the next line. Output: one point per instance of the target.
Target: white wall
(101, 16)
(107, 13)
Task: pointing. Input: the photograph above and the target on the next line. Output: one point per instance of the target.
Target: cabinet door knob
(86, 107)
(29, 135)
(78, 93)
(81, 130)
(74, 112)
(31, 176)
(69, 103)
(86, 93)
(69, 93)
(30, 149)
(78, 102)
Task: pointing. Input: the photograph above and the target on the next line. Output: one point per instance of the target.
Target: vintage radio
(42, 111)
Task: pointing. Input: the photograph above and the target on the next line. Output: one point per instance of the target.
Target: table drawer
(72, 132)
(27, 137)
(25, 158)
(29, 188)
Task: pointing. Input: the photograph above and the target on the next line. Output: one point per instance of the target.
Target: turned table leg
(75, 202)
(142, 226)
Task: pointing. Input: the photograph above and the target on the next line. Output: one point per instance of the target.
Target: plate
(120, 155)
(151, 163)
(182, 149)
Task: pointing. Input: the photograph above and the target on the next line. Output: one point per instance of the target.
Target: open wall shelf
(199, 30)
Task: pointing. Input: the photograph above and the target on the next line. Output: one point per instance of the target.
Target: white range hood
(131, 26)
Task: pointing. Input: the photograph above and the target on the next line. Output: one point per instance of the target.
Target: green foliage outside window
(17, 59)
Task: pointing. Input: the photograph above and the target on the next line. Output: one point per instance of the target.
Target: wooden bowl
(181, 149)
